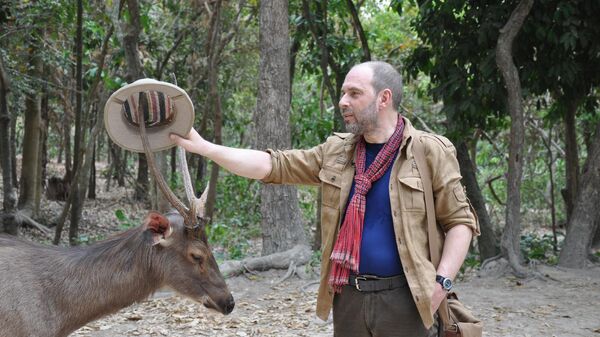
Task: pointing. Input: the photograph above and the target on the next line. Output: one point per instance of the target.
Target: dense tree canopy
(446, 49)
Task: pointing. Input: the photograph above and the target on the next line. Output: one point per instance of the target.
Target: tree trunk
(584, 220)
(76, 188)
(214, 99)
(30, 180)
(92, 181)
(44, 127)
(571, 156)
(67, 141)
(78, 89)
(13, 152)
(173, 165)
(131, 38)
(117, 165)
(281, 222)
(8, 191)
(487, 242)
(510, 243)
(81, 178)
(596, 240)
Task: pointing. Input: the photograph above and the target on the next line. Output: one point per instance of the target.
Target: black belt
(374, 283)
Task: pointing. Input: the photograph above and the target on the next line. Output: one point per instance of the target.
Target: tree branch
(359, 30)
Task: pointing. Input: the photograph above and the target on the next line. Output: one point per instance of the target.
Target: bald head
(385, 76)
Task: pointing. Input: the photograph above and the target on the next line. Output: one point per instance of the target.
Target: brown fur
(50, 291)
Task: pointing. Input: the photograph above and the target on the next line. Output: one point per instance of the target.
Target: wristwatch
(444, 281)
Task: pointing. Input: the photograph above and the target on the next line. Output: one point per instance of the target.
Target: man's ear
(385, 98)
(159, 228)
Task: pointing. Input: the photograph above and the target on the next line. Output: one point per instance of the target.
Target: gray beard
(368, 122)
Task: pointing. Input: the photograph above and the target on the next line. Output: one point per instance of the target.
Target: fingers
(178, 140)
(190, 143)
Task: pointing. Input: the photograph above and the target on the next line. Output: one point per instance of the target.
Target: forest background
(513, 84)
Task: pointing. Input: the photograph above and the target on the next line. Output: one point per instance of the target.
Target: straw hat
(168, 109)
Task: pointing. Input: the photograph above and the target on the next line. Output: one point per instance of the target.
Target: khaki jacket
(331, 165)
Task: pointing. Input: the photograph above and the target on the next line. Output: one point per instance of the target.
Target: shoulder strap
(434, 241)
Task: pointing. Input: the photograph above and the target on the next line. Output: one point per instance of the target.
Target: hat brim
(127, 135)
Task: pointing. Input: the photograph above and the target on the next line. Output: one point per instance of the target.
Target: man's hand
(192, 143)
(438, 296)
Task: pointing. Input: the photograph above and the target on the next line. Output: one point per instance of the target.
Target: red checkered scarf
(345, 256)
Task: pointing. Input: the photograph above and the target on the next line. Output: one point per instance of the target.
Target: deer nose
(229, 305)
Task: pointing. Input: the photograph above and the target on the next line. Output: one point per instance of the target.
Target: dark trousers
(386, 313)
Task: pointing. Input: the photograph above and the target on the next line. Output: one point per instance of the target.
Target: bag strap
(434, 241)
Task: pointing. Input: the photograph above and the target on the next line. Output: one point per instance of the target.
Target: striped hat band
(157, 108)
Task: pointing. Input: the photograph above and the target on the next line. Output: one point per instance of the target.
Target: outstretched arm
(247, 163)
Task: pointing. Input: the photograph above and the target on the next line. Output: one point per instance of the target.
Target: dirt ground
(563, 303)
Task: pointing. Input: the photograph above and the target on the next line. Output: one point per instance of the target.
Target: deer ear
(159, 227)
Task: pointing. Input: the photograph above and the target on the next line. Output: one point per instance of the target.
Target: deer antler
(196, 204)
(189, 215)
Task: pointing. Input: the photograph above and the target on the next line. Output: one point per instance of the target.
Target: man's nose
(343, 102)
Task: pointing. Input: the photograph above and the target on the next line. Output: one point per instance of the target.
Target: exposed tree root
(289, 259)
(19, 218)
(290, 272)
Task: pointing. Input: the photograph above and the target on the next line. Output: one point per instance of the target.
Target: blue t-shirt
(378, 250)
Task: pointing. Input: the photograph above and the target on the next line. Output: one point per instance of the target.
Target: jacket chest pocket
(330, 187)
(411, 193)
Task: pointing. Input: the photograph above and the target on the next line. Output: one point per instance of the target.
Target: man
(375, 270)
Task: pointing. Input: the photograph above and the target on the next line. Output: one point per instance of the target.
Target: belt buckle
(356, 279)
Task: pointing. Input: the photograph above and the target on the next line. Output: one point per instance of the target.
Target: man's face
(358, 103)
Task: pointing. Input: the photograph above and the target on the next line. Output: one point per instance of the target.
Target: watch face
(447, 284)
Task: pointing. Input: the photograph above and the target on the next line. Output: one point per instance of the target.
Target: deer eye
(199, 259)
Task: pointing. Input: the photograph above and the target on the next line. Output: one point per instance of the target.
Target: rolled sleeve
(451, 204)
(295, 166)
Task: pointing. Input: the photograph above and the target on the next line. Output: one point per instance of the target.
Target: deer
(50, 291)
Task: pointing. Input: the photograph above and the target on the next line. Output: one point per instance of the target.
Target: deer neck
(106, 277)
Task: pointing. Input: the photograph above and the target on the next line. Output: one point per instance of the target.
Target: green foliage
(308, 199)
(310, 125)
(124, 221)
(391, 37)
(314, 264)
(471, 262)
(231, 237)
(535, 247)
(237, 216)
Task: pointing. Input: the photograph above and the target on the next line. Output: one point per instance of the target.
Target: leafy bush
(232, 239)
(237, 216)
(124, 221)
(314, 264)
(539, 248)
